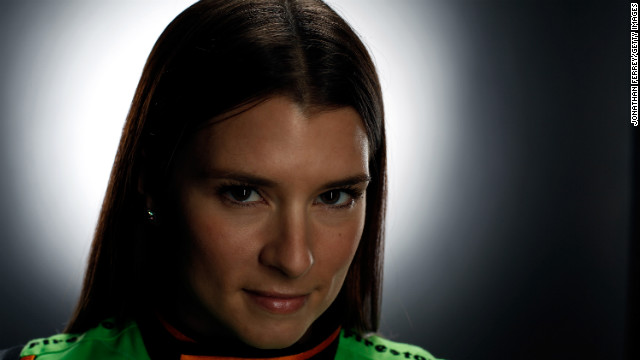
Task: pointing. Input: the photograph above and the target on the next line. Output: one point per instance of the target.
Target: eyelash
(354, 196)
(224, 190)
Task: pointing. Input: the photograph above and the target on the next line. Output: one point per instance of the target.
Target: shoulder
(373, 347)
(105, 341)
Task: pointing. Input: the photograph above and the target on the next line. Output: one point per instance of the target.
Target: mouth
(277, 303)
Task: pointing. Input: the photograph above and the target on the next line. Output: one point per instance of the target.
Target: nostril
(292, 259)
(292, 265)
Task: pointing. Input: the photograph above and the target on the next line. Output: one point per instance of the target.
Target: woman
(245, 212)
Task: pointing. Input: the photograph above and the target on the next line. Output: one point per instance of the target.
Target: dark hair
(216, 57)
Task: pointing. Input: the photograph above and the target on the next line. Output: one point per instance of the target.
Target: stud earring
(151, 216)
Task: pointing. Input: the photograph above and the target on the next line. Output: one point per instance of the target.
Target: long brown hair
(217, 56)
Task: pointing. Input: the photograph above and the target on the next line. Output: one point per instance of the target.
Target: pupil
(330, 197)
(240, 193)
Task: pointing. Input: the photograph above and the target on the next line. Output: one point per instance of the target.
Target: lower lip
(278, 305)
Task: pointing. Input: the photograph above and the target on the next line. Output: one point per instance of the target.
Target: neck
(169, 341)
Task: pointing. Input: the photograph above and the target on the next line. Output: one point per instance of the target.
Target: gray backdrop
(510, 150)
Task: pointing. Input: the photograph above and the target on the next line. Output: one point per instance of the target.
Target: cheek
(339, 246)
(222, 247)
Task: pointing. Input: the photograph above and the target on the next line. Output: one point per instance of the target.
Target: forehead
(275, 138)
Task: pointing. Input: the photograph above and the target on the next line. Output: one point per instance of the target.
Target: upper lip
(275, 294)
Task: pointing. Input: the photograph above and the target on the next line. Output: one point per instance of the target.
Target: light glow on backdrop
(75, 72)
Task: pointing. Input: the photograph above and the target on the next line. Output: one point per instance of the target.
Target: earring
(151, 216)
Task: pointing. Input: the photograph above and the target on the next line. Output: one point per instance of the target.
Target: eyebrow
(352, 180)
(251, 179)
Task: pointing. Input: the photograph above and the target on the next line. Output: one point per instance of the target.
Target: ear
(147, 198)
(143, 189)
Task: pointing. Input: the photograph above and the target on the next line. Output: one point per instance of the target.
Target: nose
(288, 250)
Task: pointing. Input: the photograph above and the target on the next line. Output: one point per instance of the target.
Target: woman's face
(273, 202)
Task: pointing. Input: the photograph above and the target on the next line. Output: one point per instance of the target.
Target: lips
(277, 303)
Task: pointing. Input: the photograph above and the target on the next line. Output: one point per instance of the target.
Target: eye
(241, 194)
(336, 198)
